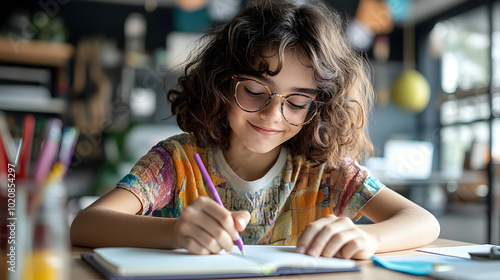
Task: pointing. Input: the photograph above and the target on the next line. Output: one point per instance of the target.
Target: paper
(259, 260)
(470, 270)
(458, 251)
(443, 266)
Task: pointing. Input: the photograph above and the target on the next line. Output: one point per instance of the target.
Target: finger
(336, 245)
(194, 246)
(218, 213)
(307, 237)
(212, 234)
(352, 248)
(345, 244)
(241, 219)
(205, 223)
(194, 243)
(331, 237)
(212, 243)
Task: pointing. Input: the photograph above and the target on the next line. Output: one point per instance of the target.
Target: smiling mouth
(265, 132)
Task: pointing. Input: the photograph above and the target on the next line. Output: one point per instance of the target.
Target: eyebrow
(266, 80)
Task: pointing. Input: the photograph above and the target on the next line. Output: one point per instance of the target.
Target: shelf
(36, 62)
(160, 3)
(50, 106)
(460, 123)
(37, 53)
(462, 94)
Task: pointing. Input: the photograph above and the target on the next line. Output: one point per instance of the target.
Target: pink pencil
(48, 151)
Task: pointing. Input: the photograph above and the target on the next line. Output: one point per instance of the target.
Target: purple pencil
(214, 193)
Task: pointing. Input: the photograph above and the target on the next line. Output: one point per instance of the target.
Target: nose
(272, 112)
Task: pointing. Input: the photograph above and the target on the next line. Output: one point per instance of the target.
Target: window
(470, 107)
(465, 78)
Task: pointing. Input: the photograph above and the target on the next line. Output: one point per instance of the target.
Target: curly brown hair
(204, 92)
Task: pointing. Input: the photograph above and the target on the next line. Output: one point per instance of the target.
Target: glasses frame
(271, 94)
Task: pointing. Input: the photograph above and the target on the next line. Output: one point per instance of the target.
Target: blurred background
(103, 67)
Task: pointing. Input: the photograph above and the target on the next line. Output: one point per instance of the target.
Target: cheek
(294, 130)
(233, 114)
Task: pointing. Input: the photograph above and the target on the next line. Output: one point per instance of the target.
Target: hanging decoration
(190, 5)
(411, 91)
(373, 17)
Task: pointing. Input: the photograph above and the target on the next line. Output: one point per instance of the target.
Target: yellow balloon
(411, 91)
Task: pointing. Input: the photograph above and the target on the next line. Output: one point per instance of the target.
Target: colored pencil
(48, 151)
(213, 191)
(27, 146)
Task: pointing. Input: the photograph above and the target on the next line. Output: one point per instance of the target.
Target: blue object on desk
(418, 265)
(410, 267)
(441, 267)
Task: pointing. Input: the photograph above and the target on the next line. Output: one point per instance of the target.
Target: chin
(261, 148)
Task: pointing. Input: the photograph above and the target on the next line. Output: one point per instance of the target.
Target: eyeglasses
(296, 108)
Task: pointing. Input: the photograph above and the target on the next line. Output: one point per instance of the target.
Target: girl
(276, 105)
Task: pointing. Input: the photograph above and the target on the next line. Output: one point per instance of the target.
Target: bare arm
(112, 221)
(203, 227)
(399, 224)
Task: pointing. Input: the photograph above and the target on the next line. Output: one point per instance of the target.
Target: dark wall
(92, 18)
(88, 18)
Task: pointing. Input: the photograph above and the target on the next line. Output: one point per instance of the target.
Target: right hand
(204, 227)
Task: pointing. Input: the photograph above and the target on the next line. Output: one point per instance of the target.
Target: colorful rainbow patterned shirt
(167, 179)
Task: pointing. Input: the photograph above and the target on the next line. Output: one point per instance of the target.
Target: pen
(493, 254)
(8, 142)
(27, 145)
(48, 151)
(214, 193)
(60, 167)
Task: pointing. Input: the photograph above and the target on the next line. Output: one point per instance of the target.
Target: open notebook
(260, 260)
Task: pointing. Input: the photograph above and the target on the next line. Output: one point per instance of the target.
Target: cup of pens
(46, 246)
(40, 245)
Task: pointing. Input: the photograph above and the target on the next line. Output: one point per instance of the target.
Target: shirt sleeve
(355, 187)
(151, 179)
(370, 187)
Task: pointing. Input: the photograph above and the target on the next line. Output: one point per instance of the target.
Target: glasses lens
(251, 96)
(298, 109)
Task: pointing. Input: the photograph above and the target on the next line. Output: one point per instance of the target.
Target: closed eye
(296, 106)
(254, 93)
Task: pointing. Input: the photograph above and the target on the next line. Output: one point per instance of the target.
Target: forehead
(292, 66)
(290, 55)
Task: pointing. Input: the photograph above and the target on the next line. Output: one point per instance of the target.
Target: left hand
(336, 237)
